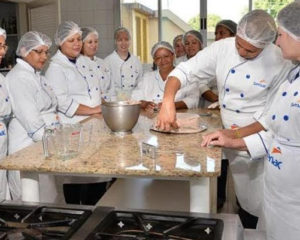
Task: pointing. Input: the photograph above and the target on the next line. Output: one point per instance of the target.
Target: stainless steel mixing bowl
(122, 116)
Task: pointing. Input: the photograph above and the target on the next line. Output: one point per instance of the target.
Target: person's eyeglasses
(3, 47)
(40, 52)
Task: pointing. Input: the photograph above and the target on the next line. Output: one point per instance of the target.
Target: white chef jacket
(282, 161)
(180, 59)
(73, 84)
(34, 107)
(5, 111)
(152, 87)
(125, 75)
(102, 72)
(246, 88)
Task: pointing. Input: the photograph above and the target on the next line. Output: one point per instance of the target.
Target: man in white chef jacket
(249, 69)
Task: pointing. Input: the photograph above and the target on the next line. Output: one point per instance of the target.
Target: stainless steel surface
(120, 116)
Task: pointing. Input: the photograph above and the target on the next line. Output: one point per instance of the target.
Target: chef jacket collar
(294, 73)
(26, 65)
(73, 60)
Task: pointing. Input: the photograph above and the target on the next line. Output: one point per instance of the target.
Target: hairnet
(229, 24)
(178, 37)
(65, 30)
(257, 28)
(3, 32)
(288, 20)
(121, 29)
(32, 40)
(161, 44)
(194, 33)
(86, 31)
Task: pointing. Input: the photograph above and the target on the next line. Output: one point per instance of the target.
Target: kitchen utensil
(121, 116)
(62, 142)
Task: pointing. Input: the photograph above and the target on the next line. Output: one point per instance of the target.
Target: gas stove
(33, 222)
(124, 225)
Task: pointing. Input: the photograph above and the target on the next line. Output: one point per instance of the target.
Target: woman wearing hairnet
(90, 39)
(126, 69)
(224, 29)
(280, 144)
(193, 43)
(76, 88)
(249, 70)
(76, 85)
(151, 89)
(34, 104)
(178, 46)
(7, 179)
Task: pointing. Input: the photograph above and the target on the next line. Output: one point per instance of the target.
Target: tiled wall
(103, 15)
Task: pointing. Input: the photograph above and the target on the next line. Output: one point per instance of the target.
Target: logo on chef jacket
(261, 83)
(234, 126)
(272, 159)
(276, 150)
(2, 130)
(296, 104)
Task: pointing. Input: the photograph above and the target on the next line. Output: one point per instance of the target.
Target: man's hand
(166, 118)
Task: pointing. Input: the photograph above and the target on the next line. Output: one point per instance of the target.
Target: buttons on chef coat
(123, 85)
(98, 66)
(83, 66)
(296, 93)
(0, 85)
(232, 71)
(84, 77)
(274, 117)
(237, 111)
(122, 76)
(248, 76)
(89, 90)
(96, 89)
(285, 117)
(157, 95)
(132, 76)
(242, 95)
(284, 94)
(92, 75)
(131, 85)
(130, 66)
(6, 99)
(102, 77)
(224, 106)
(227, 89)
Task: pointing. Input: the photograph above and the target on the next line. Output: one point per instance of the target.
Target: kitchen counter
(143, 153)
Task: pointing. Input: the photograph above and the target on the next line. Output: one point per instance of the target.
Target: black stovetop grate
(121, 225)
(39, 222)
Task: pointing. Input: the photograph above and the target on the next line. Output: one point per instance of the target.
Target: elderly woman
(33, 103)
(76, 88)
(249, 70)
(6, 177)
(90, 39)
(126, 69)
(150, 90)
(280, 145)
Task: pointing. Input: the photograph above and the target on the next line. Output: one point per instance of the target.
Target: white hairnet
(86, 31)
(32, 40)
(65, 30)
(121, 29)
(257, 28)
(178, 37)
(289, 20)
(161, 44)
(194, 33)
(3, 32)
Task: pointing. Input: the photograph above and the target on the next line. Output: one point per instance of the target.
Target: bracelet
(237, 133)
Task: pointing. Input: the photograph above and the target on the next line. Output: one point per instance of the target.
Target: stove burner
(35, 223)
(121, 225)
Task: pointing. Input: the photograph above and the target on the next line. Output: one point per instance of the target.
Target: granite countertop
(105, 154)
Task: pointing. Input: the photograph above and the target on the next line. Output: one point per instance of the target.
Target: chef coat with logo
(246, 88)
(282, 161)
(73, 84)
(152, 87)
(34, 106)
(125, 75)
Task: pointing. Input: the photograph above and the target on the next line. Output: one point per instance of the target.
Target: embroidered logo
(261, 83)
(274, 161)
(276, 150)
(2, 133)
